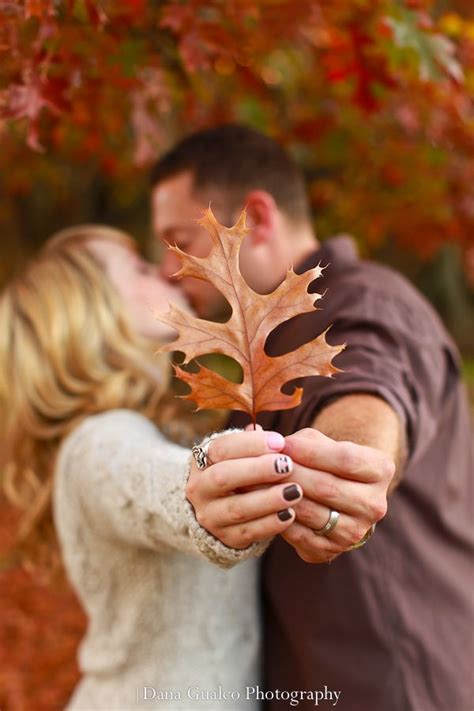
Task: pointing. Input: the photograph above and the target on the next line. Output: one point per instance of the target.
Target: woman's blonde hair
(66, 352)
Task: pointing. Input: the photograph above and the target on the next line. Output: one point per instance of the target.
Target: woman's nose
(169, 265)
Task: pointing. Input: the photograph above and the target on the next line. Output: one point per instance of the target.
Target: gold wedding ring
(364, 539)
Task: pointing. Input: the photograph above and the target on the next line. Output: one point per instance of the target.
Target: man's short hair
(236, 159)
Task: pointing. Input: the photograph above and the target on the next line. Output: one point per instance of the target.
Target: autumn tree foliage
(373, 97)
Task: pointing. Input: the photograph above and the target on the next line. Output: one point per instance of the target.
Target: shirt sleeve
(371, 363)
(130, 483)
(380, 358)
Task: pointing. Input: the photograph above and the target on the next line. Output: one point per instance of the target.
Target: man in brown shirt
(388, 626)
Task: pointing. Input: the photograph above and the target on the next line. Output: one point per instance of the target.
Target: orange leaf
(243, 336)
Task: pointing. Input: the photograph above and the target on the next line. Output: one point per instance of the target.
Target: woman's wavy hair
(66, 352)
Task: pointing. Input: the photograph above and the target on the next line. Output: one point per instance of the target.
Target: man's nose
(169, 265)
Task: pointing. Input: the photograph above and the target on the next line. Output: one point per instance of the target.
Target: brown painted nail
(290, 493)
(284, 515)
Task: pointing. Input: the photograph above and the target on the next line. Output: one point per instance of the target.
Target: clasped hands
(260, 484)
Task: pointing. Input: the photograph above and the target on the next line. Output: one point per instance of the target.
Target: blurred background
(374, 98)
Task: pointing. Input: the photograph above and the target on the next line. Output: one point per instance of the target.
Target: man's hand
(245, 460)
(342, 476)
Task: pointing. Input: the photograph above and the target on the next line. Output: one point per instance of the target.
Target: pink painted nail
(283, 464)
(275, 440)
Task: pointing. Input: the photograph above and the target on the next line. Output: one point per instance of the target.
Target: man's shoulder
(375, 293)
(381, 282)
(370, 277)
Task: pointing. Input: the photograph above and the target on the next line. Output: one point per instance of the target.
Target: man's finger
(347, 531)
(309, 546)
(346, 459)
(366, 502)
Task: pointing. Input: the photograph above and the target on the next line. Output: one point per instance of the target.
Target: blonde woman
(81, 397)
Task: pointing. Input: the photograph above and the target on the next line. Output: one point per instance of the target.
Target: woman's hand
(220, 494)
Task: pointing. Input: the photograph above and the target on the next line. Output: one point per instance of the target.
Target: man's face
(175, 209)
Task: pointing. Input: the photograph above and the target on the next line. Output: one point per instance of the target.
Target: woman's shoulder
(115, 421)
(111, 430)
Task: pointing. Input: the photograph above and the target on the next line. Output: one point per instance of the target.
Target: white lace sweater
(167, 630)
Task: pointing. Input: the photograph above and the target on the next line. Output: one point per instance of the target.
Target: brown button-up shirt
(389, 626)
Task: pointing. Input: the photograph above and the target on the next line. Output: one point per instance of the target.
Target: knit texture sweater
(167, 629)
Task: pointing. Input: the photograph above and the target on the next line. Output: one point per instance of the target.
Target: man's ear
(261, 216)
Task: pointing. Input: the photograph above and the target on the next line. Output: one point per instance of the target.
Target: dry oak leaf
(243, 336)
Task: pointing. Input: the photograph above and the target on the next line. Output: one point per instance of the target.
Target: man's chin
(218, 310)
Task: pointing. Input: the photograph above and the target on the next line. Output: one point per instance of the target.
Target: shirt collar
(339, 251)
